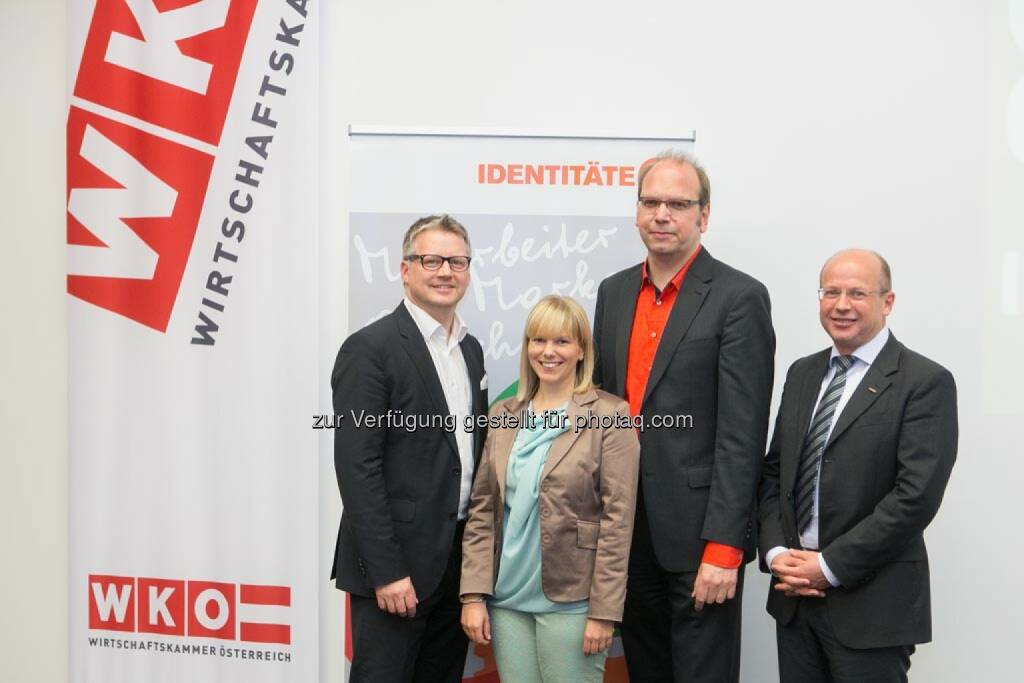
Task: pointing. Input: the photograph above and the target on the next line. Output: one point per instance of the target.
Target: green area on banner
(510, 391)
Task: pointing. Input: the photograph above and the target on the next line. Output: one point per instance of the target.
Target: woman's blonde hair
(555, 316)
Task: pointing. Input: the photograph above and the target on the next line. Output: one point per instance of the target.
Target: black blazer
(399, 488)
(715, 362)
(883, 474)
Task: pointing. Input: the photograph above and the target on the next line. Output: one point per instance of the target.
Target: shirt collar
(429, 327)
(868, 352)
(677, 279)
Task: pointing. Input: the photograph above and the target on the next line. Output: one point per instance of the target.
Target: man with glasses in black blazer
(413, 379)
(684, 334)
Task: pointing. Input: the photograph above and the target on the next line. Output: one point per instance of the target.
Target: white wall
(823, 124)
(33, 345)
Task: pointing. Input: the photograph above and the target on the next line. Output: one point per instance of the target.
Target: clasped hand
(799, 573)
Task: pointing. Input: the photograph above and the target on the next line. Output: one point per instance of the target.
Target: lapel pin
(873, 390)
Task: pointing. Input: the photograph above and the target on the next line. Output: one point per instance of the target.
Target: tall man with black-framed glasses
(405, 472)
(684, 334)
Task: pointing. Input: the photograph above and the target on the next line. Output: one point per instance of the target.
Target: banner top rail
(441, 131)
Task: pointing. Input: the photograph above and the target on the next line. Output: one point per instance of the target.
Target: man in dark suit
(404, 387)
(864, 443)
(685, 334)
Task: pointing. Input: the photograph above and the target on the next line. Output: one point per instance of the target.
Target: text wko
(134, 197)
(198, 609)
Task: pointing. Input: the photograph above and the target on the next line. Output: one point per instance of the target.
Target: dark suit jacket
(587, 504)
(715, 362)
(883, 474)
(399, 488)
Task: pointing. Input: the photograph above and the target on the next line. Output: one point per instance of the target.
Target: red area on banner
(111, 602)
(252, 594)
(265, 633)
(167, 594)
(255, 632)
(204, 609)
(212, 613)
(187, 171)
(159, 96)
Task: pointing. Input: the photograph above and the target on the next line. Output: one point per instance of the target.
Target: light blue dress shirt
(863, 357)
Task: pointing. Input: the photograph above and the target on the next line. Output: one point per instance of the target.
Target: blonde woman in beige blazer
(546, 545)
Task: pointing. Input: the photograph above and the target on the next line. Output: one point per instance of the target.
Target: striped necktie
(814, 444)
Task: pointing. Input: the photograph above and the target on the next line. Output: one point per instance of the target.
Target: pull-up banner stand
(546, 213)
(192, 313)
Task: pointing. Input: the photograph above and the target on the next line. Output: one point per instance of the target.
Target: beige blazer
(587, 502)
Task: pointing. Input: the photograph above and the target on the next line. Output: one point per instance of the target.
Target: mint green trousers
(542, 648)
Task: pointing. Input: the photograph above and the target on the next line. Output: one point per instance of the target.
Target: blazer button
(546, 538)
(545, 512)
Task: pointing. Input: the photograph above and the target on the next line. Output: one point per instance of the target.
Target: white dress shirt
(454, 375)
(863, 357)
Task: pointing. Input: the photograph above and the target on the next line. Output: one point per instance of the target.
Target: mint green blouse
(519, 575)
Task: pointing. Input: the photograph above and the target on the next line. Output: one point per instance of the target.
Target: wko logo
(134, 198)
(199, 609)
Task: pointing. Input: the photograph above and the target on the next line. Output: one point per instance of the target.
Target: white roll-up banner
(192, 274)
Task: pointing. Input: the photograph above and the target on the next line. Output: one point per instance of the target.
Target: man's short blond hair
(435, 222)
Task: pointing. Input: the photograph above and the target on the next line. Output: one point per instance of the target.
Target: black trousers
(429, 648)
(810, 653)
(665, 639)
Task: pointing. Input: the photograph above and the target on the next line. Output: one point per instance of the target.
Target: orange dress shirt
(652, 310)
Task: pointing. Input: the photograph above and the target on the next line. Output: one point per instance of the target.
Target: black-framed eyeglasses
(833, 293)
(673, 205)
(458, 264)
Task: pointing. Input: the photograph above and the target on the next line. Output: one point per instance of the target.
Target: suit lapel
(624, 327)
(502, 444)
(578, 405)
(476, 376)
(416, 348)
(689, 300)
(876, 380)
(809, 388)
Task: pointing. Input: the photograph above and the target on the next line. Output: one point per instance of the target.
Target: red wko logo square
(183, 607)
(134, 197)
